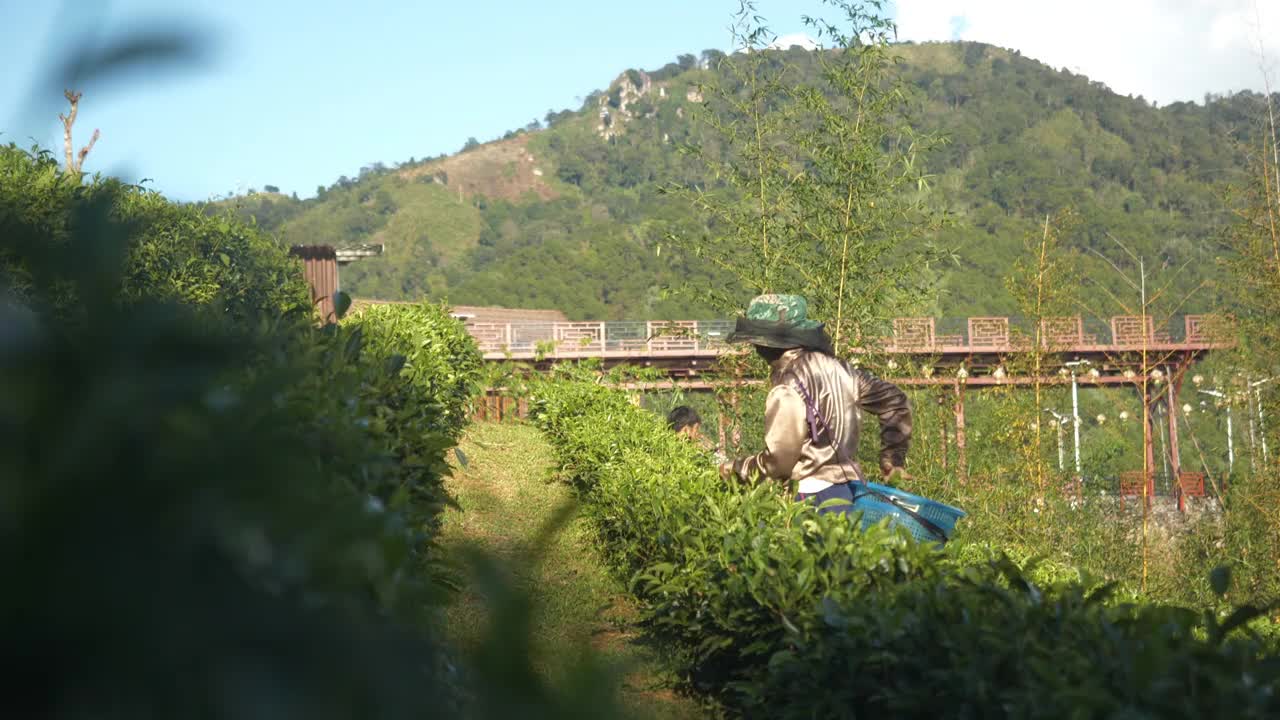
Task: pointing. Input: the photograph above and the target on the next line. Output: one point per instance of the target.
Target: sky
(295, 93)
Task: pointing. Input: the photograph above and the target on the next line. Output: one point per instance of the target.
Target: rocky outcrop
(616, 105)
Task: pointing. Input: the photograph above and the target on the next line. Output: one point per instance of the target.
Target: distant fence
(909, 335)
(602, 338)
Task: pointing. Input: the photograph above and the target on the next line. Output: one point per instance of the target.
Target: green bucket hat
(780, 321)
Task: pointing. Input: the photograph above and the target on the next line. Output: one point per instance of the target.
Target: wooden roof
(472, 314)
(477, 314)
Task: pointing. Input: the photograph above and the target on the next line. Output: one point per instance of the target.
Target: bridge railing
(559, 339)
(989, 334)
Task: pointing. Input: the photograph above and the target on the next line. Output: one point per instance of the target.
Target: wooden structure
(1123, 350)
(684, 348)
(473, 315)
(496, 406)
(320, 268)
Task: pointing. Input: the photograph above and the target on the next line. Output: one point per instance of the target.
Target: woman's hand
(726, 471)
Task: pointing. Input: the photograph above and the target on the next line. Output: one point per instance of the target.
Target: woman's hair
(682, 417)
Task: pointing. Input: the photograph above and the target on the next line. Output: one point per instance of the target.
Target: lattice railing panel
(528, 335)
(1131, 482)
(673, 336)
(913, 332)
(1200, 328)
(627, 336)
(989, 332)
(1128, 330)
(1061, 332)
(1192, 483)
(490, 337)
(583, 337)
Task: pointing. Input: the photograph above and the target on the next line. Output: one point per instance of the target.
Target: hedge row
(197, 484)
(146, 246)
(792, 614)
(420, 370)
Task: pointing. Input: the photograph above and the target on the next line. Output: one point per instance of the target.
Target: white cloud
(1164, 50)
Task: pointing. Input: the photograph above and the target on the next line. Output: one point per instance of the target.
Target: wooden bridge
(1136, 351)
(976, 347)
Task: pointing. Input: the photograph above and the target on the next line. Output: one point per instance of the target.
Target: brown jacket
(838, 392)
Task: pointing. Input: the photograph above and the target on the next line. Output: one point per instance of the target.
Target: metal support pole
(1175, 389)
(1253, 439)
(1149, 445)
(1075, 417)
(1175, 383)
(1262, 424)
(946, 445)
(1058, 423)
(1231, 448)
(1060, 444)
(961, 459)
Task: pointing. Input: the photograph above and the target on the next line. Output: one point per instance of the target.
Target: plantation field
(507, 499)
(216, 503)
(770, 608)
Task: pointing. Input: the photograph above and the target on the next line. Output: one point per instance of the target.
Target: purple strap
(813, 417)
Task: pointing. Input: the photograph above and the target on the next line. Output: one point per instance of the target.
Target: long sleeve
(785, 432)
(888, 403)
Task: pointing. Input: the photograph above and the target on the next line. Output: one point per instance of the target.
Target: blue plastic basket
(874, 508)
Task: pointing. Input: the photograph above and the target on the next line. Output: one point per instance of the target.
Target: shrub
(793, 614)
(178, 503)
(165, 251)
(198, 484)
(420, 370)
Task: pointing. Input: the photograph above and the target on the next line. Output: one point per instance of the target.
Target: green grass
(507, 498)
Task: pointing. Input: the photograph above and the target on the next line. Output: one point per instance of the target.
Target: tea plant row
(786, 613)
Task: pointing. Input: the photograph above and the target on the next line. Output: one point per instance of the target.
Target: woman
(812, 412)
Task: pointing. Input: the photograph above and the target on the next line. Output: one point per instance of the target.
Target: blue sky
(298, 92)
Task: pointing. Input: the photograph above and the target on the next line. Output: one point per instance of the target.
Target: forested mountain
(570, 215)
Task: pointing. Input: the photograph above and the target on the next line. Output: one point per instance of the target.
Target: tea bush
(170, 251)
(210, 507)
(185, 496)
(788, 613)
(419, 371)
(438, 358)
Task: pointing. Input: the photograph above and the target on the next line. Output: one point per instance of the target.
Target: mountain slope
(569, 216)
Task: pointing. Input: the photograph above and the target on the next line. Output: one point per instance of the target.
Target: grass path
(507, 498)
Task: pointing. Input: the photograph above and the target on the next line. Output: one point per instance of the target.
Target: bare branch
(1124, 277)
(1123, 247)
(75, 161)
(1120, 303)
(84, 151)
(68, 121)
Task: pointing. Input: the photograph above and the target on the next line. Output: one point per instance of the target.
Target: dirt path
(508, 499)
